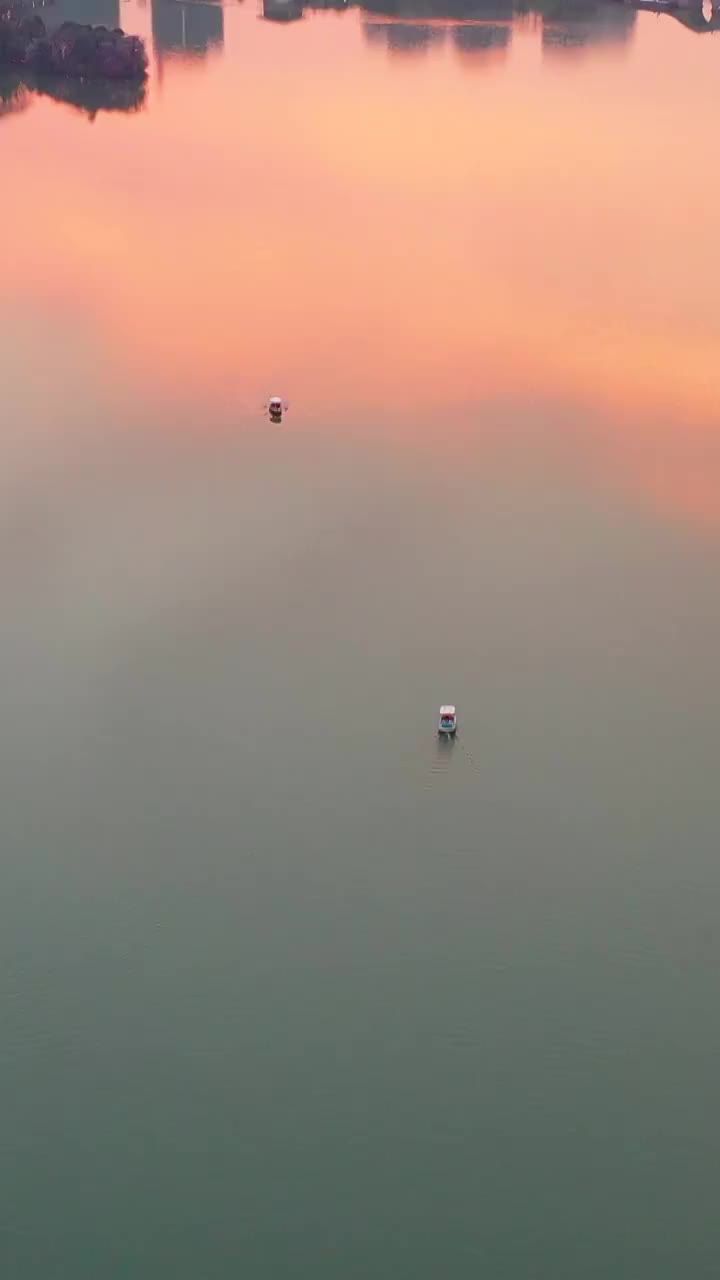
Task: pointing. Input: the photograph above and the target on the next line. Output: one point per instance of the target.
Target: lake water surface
(287, 988)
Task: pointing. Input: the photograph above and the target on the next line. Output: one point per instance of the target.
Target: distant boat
(275, 408)
(447, 724)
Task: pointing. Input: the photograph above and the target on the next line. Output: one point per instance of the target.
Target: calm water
(286, 988)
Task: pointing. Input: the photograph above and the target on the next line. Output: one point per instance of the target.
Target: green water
(291, 989)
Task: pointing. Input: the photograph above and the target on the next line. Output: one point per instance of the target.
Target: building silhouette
(568, 26)
(481, 42)
(193, 29)
(94, 13)
(282, 10)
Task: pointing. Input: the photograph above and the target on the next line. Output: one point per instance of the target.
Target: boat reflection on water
(17, 90)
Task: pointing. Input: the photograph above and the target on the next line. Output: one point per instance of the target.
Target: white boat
(275, 408)
(447, 724)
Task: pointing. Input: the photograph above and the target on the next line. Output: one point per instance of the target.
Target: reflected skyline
(480, 30)
(282, 10)
(568, 27)
(404, 37)
(87, 12)
(485, 30)
(483, 46)
(194, 29)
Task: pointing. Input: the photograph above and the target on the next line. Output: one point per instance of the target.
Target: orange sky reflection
(313, 216)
